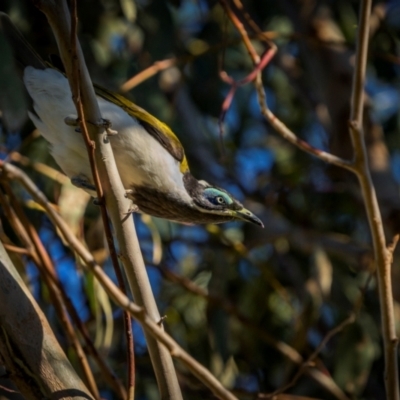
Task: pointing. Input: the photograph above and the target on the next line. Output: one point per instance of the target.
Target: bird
(150, 159)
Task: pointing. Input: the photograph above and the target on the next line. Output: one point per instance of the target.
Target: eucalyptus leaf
(12, 99)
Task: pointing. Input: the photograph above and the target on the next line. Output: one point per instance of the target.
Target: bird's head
(217, 201)
(201, 203)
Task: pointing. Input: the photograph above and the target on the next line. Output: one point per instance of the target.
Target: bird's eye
(220, 200)
(217, 197)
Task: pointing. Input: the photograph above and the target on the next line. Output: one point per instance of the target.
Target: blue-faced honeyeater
(150, 159)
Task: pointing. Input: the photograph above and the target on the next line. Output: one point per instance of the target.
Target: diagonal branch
(277, 124)
(150, 326)
(359, 166)
(34, 359)
(291, 137)
(49, 275)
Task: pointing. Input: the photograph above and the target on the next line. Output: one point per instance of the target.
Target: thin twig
(391, 247)
(6, 389)
(90, 145)
(289, 352)
(147, 73)
(278, 125)
(310, 362)
(382, 259)
(51, 274)
(228, 307)
(15, 249)
(259, 65)
(359, 167)
(241, 29)
(150, 326)
(291, 137)
(46, 268)
(161, 65)
(42, 168)
(58, 16)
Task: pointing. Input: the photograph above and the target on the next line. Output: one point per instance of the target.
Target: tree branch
(381, 253)
(34, 359)
(58, 16)
(151, 327)
(359, 166)
(49, 275)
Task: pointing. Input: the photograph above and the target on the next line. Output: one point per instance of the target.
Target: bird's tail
(23, 52)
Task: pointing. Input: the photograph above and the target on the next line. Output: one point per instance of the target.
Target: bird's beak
(248, 216)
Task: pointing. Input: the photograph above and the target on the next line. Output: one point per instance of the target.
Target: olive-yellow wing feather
(160, 131)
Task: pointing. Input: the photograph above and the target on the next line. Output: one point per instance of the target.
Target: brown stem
(28, 348)
(29, 249)
(151, 327)
(286, 350)
(58, 16)
(278, 125)
(381, 253)
(90, 145)
(49, 275)
(360, 168)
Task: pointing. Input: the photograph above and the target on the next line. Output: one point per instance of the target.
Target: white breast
(140, 158)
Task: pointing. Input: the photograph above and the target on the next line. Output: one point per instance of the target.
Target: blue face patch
(217, 197)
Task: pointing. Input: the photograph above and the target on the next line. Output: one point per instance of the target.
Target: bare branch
(291, 137)
(77, 95)
(382, 258)
(151, 327)
(58, 16)
(361, 169)
(38, 366)
(49, 275)
(147, 73)
(278, 125)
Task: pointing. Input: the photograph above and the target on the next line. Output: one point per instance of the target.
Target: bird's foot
(128, 193)
(133, 208)
(106, 124)
(72, 120)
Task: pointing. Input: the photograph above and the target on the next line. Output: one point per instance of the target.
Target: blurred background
(245, 302)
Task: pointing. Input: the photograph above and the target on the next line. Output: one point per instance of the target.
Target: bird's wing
(160, 131)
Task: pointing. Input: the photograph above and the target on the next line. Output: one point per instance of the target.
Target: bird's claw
(128, 193)
(106, 124)
(133, 208)
(71, 120)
